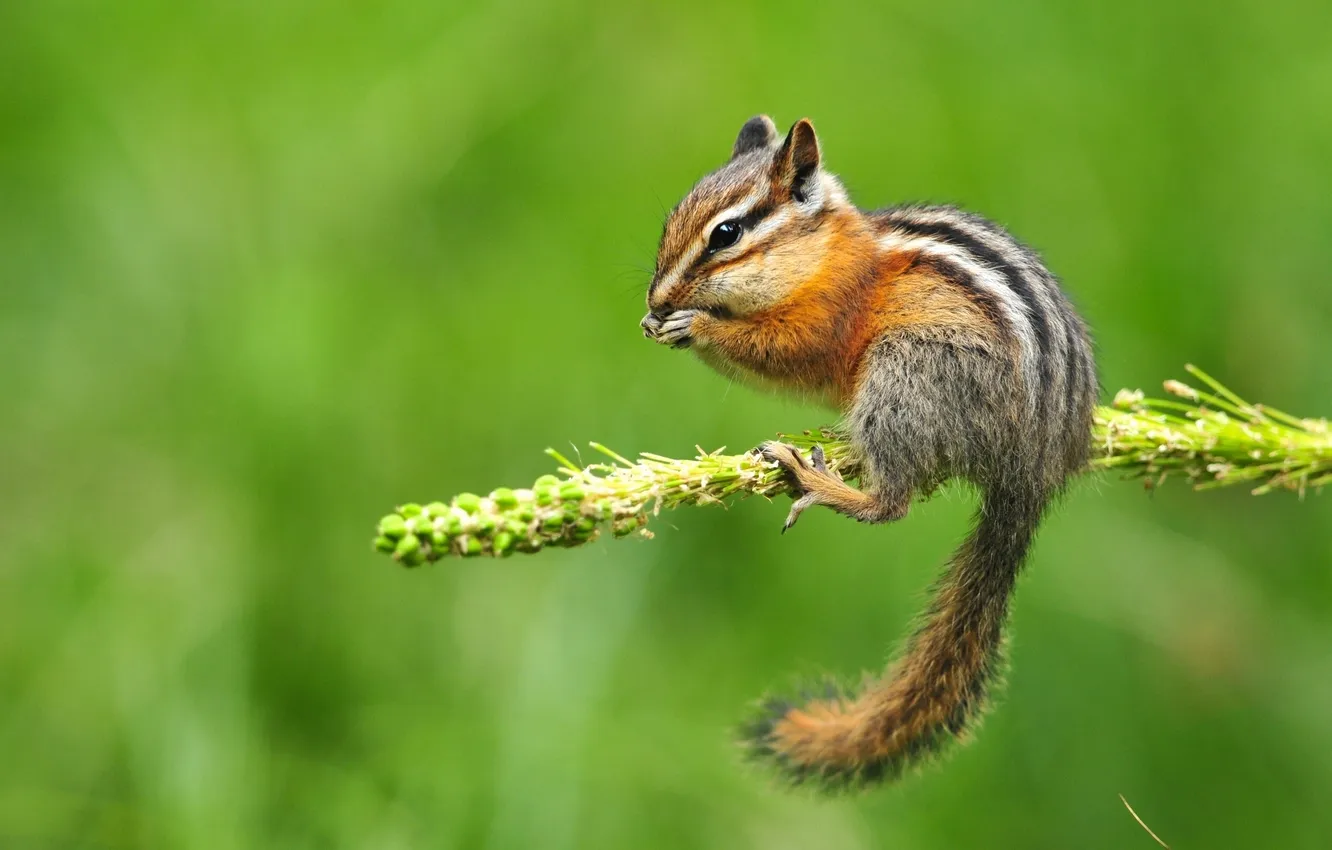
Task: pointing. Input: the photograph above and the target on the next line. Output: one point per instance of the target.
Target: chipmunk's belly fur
(823, 394)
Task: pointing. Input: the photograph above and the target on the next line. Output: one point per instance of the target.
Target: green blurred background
(268, 269)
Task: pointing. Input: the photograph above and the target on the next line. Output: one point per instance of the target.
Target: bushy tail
(935, 692)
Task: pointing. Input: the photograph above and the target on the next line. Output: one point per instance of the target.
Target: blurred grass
(243, 247)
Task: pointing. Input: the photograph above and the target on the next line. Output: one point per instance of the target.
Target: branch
(1211, 437)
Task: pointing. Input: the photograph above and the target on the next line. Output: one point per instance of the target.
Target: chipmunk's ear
(798, 161)
(758, 132)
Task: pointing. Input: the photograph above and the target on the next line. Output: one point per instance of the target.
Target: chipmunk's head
(751, 231)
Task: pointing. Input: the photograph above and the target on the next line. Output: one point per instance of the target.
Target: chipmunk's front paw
(802, 473)
(674, 329)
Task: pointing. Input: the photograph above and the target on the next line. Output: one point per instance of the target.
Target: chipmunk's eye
(724, 235)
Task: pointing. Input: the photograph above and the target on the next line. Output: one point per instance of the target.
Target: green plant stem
(1211, 437)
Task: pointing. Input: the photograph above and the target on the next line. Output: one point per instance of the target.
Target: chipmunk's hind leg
(818, 485)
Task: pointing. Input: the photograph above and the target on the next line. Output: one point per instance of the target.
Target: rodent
(950, 351)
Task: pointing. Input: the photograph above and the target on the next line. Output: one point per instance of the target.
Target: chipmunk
(950, 351)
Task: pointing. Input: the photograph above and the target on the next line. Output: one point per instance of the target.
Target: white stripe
(688, 258)
(992, 283)
(1003, 245)
(770, 224)
(739, 210)
(1038, 280)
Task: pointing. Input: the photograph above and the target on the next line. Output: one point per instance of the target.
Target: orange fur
(919, 299)
(832, 491)
(914, 702)
(814, 340)
(808, 340)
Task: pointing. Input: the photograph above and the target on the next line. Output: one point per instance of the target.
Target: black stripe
(1073, 364)
(1093, 378)
(1084, 364)
(748, 221)
(1057, 403)
(761, 210)
(958, 276)
(951, 234)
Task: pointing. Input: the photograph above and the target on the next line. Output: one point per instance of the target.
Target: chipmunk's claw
(677, 330)
(819, 461)
(798, 507)
(784, 455)
(650, 324)
(674, 329)
(794, 465)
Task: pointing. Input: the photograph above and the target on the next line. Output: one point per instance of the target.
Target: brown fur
(914, 700)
